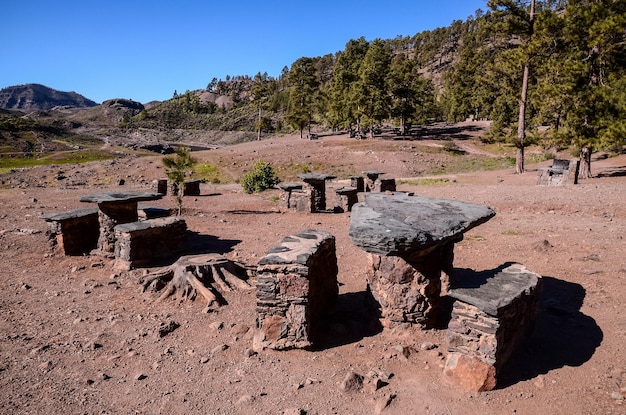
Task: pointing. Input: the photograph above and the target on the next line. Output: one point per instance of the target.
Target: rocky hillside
(31, 97)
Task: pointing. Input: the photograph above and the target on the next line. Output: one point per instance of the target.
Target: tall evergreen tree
(373, 99)
(303, 93)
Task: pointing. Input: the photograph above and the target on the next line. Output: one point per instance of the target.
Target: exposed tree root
(209, 275)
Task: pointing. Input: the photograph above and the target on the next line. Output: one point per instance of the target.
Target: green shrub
(262, 177)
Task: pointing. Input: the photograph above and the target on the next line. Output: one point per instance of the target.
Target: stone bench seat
(153, 212)
(149, 242)
(296, 287)
(560, 173)
(347, 196)
(74, 231)
(492, 315)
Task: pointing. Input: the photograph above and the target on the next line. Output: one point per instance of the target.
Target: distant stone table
(410, 241)
(371, 176)
(115, 208)
(317, 189)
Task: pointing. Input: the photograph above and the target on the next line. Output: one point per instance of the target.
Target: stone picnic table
(410, 241)
(317, 186)
(371, 176)
(115, 208)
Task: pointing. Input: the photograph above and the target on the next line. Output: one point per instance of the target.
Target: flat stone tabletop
(316, 176)
(120, 197)
(396, 224)
(288, 186)
(373, 173)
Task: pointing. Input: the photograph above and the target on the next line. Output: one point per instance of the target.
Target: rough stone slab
(70, 214)
(315, 176)
(398, 224)
(147, 224)
(296, 249)
(290, 186)
(498, 291)
(121, 197)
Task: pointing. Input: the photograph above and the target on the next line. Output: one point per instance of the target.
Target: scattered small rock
(167, 328)
(140, 376)
(428, 346)
(219, 348)
(216, 325)
(245, 399)
(352, 382)
(249, 353)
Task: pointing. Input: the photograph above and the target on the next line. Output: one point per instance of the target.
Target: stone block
(492, 315)
(346, 198)
(149, 242)
(296, 287)
(191, 188)
(561, 173)
(160, 186)
(384, 185)
(75, 232)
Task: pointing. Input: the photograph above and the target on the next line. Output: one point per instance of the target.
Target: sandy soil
(78, 337)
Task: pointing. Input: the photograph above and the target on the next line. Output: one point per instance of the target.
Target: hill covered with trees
(565, 61)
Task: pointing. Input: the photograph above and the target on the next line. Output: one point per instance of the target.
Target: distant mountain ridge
(31, 97)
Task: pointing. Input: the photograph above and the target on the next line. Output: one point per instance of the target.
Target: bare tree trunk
(521, 123)
(585, 162)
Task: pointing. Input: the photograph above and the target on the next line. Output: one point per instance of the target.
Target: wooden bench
(149, 242)
(75, 231)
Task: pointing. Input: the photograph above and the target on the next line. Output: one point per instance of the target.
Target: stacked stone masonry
(149, 242)
(561, 173)
(74, 232)
(296, 287)
(491, 316)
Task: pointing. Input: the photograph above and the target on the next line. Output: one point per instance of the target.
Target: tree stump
(198, 274)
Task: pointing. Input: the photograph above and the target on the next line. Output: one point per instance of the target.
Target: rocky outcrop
(33, 97)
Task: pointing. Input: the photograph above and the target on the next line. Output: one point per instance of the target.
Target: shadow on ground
(198, 243)
(618, 171)
(563, 336)
(355, 318)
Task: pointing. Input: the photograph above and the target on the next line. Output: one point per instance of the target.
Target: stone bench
(384, 185)
(493, 313)
(295, 197)
(149, 242)
(160, 186)
(192, 188)
(560, 173)
(75, 231)
(357, 182)
(152, 212)
(346, 198)
(296, 287)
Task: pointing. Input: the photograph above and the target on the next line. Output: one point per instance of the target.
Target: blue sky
(144, 50)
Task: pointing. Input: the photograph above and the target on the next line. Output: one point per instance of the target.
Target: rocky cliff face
(40, 97)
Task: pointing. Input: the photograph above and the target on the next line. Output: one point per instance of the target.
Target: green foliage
(210, 173)
(262, 177)
(177, 168)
